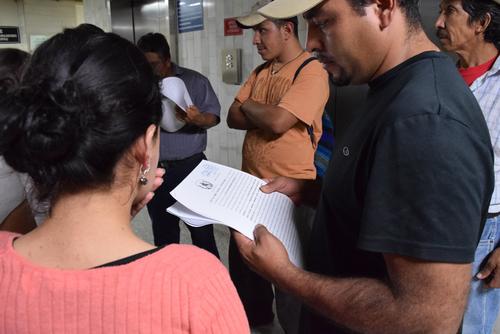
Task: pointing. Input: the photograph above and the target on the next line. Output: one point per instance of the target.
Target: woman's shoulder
(188, 258)
(6, 239)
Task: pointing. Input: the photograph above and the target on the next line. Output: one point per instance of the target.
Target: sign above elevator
(9, 35)
(190, 15)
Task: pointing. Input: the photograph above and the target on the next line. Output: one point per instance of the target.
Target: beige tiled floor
(142, 226)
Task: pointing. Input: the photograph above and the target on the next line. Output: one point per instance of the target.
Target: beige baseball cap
(282, 9)
(253, 18)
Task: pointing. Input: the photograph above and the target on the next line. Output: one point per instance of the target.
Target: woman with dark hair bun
(86, 132)
(15, 213)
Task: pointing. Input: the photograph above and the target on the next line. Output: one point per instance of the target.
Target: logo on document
(204, 184)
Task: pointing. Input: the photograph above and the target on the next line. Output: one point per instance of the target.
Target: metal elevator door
(132, 19)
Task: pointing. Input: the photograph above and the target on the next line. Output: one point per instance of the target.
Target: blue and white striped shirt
(486, 89)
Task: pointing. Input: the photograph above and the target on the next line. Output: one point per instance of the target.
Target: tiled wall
(201, 51)
(39, 17)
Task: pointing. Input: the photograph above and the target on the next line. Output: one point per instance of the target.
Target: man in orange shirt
(280, 106)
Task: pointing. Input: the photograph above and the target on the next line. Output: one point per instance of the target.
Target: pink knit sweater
(178, 289)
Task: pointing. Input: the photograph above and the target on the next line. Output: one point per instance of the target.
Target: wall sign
(189, 15)
(231, 27)
(36, 40)
(9, 35)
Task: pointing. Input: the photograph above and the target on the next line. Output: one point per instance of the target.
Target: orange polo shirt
(292, 153)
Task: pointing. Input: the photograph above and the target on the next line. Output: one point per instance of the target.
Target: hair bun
(41, 129)
(53, 125)
(85, 99)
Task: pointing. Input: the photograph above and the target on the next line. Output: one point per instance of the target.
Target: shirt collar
(494, 70)
(176, 70)
(496, 66)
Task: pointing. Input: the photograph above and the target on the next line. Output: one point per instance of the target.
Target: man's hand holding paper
(266, 254)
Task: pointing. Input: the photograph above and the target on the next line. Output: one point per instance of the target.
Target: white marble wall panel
(97, 12)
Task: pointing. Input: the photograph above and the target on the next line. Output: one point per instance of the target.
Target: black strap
(262, 66)
(130, 258)
(310, 129)
(307, 61)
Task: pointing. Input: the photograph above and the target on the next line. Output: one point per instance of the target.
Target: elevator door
(132, 19)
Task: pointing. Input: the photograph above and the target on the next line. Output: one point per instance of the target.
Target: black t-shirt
(413, 177)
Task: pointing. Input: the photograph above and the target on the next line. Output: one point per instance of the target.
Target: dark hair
(293, 20)
(84, 100)
(155, 42)
(409, 8)
(477, 10)
(88, 29)
(12, 65)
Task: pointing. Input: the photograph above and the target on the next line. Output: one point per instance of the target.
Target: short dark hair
(409, 8)
(294, 20)
(12, 65)
(155, 42)
(86, 97)
(477, 10)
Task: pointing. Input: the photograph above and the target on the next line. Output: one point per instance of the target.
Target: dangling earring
(143, 180)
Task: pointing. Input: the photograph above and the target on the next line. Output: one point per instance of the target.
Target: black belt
(492, 215)
(171, 163)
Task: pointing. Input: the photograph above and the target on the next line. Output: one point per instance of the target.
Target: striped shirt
(486, 89)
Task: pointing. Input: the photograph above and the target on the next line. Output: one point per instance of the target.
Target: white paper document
(175, 90)
(217, 194)
(174, 94)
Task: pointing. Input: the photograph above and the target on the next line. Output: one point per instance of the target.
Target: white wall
(97, 13)
(39, 17)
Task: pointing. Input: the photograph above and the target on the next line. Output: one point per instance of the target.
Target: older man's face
(453, 28)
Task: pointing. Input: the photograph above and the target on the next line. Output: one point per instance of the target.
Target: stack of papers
(217, 194)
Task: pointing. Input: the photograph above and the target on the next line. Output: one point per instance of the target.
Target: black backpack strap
(307, 61)
(262, 66)
(310, 129)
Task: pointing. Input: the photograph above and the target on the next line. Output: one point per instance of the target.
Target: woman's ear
(146, 145)
(151, 137)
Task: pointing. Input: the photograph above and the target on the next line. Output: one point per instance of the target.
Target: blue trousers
(166, 226)
(484, 303)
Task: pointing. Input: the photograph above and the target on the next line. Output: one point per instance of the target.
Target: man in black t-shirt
(402, 207)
